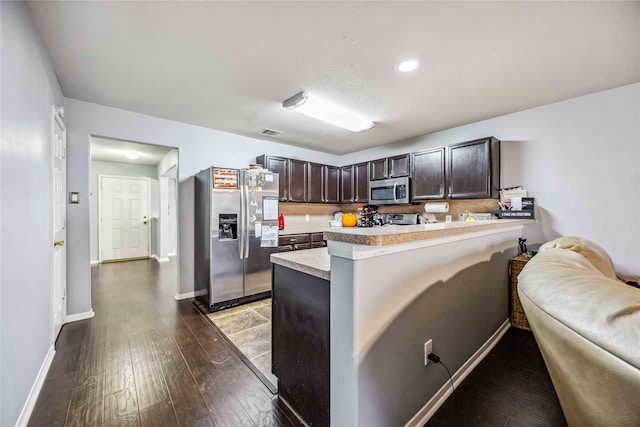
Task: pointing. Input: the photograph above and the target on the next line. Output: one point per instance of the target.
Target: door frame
(57, 114)
(172, 174)
(100, 231)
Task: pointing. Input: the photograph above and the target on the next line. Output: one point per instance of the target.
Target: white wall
(121, 169)
(198, 147)
(29, 90)
(167, 162)
(579, 158)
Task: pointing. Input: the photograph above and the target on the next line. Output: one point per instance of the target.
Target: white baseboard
(157, 258)
(186, 295)
(445, 391)
(95, 262)
(27, 409)
(79, 316)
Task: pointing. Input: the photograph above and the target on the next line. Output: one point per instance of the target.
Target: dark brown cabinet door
(346, 184)
(399, 166)
(473, 169)
(297, 180)
(331, 184)
(317, 237)
(378, 169)
(315, 181)
(428, 175)
(361, 183)
(279, 165)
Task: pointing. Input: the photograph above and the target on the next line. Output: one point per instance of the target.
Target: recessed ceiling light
(408, 66)
(132, 155)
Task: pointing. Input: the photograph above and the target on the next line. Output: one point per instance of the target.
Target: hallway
(147, 359)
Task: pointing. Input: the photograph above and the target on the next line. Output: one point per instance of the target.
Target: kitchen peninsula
(358, 313)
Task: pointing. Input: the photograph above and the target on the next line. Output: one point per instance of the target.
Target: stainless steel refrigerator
(236, 231)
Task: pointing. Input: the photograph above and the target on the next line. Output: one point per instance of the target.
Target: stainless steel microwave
(393, 191)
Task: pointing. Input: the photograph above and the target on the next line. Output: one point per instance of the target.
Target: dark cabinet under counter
(300, 241)
(294, 239)
(300, 342)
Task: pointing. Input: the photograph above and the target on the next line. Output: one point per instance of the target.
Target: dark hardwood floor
(146, 359)
(511, 387)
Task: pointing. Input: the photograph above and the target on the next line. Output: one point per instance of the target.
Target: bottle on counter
(281, 222)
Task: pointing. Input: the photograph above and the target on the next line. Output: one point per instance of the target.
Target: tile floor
(249, 328)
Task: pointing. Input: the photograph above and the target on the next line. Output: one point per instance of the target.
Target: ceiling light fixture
(327, 112)
(408, 66)
(132, 155)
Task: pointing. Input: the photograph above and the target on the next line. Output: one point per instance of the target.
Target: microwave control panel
(402, 191)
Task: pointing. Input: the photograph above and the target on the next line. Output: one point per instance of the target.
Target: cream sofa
(587, 325)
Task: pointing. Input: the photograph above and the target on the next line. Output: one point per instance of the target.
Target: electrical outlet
(306, 218)
(428, 348)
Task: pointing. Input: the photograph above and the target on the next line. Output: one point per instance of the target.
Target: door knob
(58, 243)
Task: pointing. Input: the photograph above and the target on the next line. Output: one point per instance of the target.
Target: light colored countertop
(315, 262)
(396, 234)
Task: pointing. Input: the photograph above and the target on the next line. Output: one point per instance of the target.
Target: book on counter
(527, 211)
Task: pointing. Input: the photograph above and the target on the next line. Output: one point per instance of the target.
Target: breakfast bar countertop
(315, 262)
(396, 234)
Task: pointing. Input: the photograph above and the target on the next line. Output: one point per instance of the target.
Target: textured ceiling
(229, 65)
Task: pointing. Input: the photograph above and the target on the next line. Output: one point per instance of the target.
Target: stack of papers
(507, 193)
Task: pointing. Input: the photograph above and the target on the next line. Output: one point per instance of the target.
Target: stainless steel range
(400, 219)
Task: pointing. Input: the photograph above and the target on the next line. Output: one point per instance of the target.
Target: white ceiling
(115, 150)
(229, 65)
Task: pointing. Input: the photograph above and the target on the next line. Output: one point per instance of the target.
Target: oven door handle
(395, 189)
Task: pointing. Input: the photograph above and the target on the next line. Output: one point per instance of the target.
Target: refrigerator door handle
(243, 214)
(247, 228)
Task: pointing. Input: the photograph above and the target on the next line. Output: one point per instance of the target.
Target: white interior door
(59, 222)
(124, 218)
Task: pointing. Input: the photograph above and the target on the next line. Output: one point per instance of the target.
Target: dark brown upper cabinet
(279, 165)
(331, 184)
(361, 182)
(473, 169)
(346, 184)
(428, 174)
(390, 167)
(378, 169)
(302, 181)
(315, 182)
(399, 166)
(298, 180)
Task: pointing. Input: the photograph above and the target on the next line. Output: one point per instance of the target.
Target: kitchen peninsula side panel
(300, 342)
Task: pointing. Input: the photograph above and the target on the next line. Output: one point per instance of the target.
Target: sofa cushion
(571, 290)
(588, 249)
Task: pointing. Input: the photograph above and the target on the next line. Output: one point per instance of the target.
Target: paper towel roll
(436, 207)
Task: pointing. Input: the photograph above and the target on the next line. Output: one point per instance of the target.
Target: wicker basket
(518, 318)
